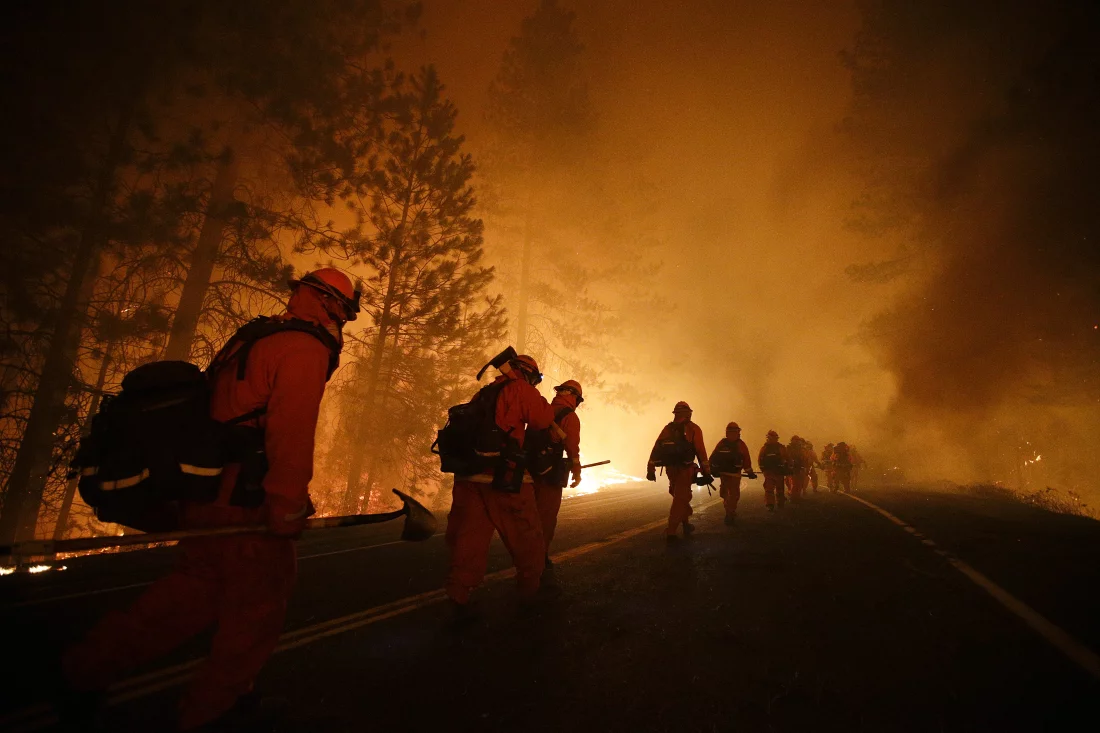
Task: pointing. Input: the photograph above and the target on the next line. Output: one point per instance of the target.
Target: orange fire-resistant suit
(800, 470)
(681, 478)
(814, 462)
(548, 490)
(730, 486)
(477, 509)
(773, 480)
(239, 585)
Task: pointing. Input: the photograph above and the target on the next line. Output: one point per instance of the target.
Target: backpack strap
(239, 346)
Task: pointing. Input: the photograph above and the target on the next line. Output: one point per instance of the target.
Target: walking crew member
(678, 446)
(728, 459)
(477, 509)
(554, 473)
(773, 463)
(238, 584)
(814, 463)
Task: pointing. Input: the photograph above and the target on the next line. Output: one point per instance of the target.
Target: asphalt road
(922, 611)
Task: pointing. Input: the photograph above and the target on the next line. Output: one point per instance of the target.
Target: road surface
(906, 611)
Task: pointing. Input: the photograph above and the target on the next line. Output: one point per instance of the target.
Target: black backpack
(471, 442)
(726, 457)
(545, 458)
(154, 444)
(771, 458)
(673, 448)
(796, 454)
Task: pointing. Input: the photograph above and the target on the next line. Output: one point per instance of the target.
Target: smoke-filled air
(868, 221)
(550, 365)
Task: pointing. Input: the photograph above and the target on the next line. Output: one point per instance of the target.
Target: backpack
(841, 457)
(471, 441)
(771, 458)
(796, 455)
(545, 458)
(154, 444)
(726, 457)
(673, 447)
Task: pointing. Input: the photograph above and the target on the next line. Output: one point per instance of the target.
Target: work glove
(706, 479)
(286, 517)
(751, 474)
(576, 477)
(651, 474)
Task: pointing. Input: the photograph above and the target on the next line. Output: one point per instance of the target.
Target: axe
(500, 361)
(420, 524)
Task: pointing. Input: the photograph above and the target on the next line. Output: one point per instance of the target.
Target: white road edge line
(40, 716)
(1084, 657)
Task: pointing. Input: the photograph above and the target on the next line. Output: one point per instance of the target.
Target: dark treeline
(171, 165)
(167, 163)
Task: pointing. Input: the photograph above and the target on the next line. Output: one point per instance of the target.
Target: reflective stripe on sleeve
(124, 483)
(200, 470)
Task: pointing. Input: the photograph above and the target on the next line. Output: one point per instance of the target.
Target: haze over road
(825, 616)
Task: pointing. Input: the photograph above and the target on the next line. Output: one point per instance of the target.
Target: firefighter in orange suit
(800, 470)
(728, 459)
(566, 436)
(677, 448)
(813, 462)
(774, 465)
(478, 509)
(239, 584)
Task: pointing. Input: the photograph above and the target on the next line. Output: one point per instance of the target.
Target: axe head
(420, 524)
(499, 361)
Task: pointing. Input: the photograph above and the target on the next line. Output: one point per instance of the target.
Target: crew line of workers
(788, 469)
(240, 585)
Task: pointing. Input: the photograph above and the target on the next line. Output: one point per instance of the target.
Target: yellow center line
(40, 716)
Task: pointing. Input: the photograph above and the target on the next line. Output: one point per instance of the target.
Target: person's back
(500, 497)
(240, 583)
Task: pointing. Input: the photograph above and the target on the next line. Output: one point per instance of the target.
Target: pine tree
(426, 294)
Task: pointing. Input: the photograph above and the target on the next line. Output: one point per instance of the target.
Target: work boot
(463, 616)
(771, 507)
(688, 528)
(672, 539)
(731, 519)
(549, 563)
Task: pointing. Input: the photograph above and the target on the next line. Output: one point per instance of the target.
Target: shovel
(420, 524)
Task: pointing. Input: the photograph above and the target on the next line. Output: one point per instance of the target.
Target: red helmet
(528, 366)
(773, 434)
(681, 406)
(571, 385)
(733, 426)
(335, 284)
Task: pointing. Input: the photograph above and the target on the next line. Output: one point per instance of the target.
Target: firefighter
(813, 462)
(857, 465)
(842, 466)
(773, 464)
(478, 509)
(549, 469)
(239, 584)
(799, 468)
(678, 446)
(728, 459)
(829, 468)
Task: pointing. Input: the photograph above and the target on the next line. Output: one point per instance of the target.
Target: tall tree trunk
(367, 415)
(186, 321)
(27, 482)
(70, 488)
(524, 283)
